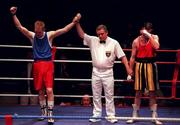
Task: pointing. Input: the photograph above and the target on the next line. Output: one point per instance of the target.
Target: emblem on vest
(108, 53)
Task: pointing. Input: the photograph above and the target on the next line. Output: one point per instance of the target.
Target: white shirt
(103, 55)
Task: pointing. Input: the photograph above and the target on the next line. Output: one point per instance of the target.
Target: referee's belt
(101, 69)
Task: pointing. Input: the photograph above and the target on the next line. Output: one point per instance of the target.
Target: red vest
(145, 51)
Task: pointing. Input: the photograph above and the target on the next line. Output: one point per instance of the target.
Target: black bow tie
(103, 42)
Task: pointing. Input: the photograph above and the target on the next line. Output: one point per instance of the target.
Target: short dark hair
(99, 27)
(148, 26)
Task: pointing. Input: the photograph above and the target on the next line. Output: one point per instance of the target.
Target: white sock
(42, 103)
(50, 104)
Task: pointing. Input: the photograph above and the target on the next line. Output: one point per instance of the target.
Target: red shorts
(43, 73)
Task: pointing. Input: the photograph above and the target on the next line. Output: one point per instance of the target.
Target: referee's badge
(108, 53)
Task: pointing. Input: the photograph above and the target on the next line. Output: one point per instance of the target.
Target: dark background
(118, 15)
(122, 17)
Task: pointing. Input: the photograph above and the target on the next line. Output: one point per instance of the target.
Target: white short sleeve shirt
(103, 55)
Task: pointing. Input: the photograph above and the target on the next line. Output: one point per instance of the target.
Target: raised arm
(80, 30)
(53, 34)
(17, 23)
(153, 38)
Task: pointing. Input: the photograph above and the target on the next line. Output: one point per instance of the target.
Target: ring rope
(76, 61)
(14, 46)
(72, 61)
(30, 60)
(16, 116)
(72, 96)
(73, 48)
(56, 79)
(80, 96)
(65, 48)
(73, 79)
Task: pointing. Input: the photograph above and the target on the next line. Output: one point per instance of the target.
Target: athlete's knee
(41, 92)
(49, 91)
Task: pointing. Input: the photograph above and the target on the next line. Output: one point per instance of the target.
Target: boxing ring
(65, 115)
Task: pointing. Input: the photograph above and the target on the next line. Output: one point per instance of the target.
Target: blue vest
(41, 49)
